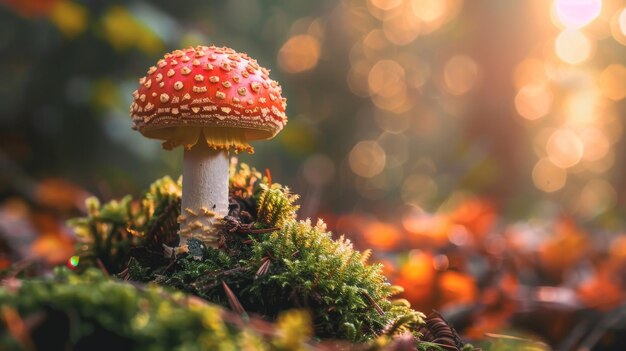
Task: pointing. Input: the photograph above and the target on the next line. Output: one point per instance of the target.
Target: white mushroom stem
(205, 193)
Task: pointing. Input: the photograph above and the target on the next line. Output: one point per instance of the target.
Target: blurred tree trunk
(502, 36)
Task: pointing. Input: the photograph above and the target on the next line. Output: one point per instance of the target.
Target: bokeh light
(612, 82)
(581, 105)
(386, 78)
(533, 101)
(434, 13)
(618, 26)
(530, 71)
(548, 177)
(387, 85)
(460, 74)
(385, 4)
(564, 148)
(577, 13)
(573, 46)
(429, 10)
(596, 144)
(367, 158)
(299, 54)
(401, 27)
(595, 198)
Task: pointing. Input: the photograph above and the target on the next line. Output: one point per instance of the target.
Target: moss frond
(276, 205)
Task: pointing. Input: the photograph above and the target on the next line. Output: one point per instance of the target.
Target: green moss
(111, 231)
(89, 311)
(276, 205)
(268, 264)
(268, 260)
(428, 346)
(349, 299)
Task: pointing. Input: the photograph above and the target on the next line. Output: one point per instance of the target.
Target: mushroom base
(205, 194)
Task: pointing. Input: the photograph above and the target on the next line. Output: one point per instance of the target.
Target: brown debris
(233, 301)
(438, 331)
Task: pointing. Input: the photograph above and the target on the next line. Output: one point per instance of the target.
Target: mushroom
(208, 100)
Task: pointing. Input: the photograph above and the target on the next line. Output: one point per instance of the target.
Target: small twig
(102, 268)
(20, 266)
(265, 266)
(125, 274)
(93, 229)
(574, 337)
(257, 231)
(108, 242)
(268, 175)
(170, 265)
(234, 303)
(233, 270)
(605, 323)
(373, 303)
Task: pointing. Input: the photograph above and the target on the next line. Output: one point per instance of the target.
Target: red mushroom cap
(215, 92)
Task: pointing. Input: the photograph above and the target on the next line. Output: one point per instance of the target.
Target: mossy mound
(268, 263)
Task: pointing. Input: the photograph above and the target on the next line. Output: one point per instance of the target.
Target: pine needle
(233, 301)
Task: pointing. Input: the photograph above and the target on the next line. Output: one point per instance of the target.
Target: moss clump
(89, 311)
(302, 266)
(111, 231)
(267, 262)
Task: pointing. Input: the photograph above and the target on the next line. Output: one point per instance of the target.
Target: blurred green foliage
(90, 311)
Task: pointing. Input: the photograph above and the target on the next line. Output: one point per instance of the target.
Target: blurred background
(477, 146)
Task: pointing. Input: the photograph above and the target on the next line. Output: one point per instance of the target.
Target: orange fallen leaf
(31, 8)
(417, 277)
(59, 194)
(379, 235)
(603, 290)
(568, 245)
(456, 288)
(478, 215)
(53, 248)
